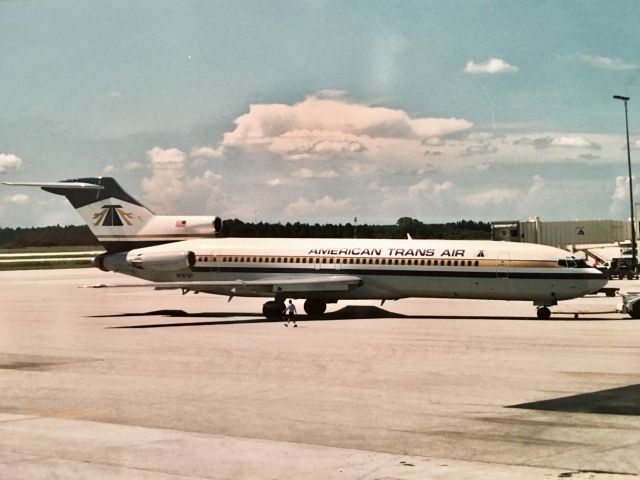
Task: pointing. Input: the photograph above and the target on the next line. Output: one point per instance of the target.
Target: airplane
(181, 252)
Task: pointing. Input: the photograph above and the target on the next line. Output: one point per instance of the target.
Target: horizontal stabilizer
(57, 185)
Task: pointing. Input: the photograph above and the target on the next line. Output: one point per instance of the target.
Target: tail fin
(119, 221)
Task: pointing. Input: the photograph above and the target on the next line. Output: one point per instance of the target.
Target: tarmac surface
(144, 384)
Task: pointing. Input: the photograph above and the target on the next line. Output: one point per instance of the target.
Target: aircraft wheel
(635, 311)
(273, 310)
(315, 307)
(543, 313)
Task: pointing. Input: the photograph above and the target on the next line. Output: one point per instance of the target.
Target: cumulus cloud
(308, 173)
(17, 199)
(494, 196)
(607, 63)
(481, 149)
(319, 207)
(620, 197)
(134, 166)
(300, 145)
(498, 196)
(491, 66)
(172, 156)
(206, 152)
(171, 186)
(427, 187)
(9, 162)
(276, 182)
(317, 127)
(570, 141)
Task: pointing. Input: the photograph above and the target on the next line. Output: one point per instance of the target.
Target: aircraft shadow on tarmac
(351, 312)
(613, 401)
(347, 313)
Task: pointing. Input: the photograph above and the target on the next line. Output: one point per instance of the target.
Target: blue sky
(320, 110)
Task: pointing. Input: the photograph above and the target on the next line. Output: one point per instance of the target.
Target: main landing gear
(543, 313)
(315, 307)
(274, 309)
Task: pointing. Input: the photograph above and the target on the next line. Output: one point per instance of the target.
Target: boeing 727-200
(181, 252)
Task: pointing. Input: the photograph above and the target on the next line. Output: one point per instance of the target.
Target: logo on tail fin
(112, 216)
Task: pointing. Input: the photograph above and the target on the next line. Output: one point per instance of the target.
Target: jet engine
(186, 225)
(161, 261)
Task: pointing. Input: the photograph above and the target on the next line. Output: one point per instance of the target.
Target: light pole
(633, 221)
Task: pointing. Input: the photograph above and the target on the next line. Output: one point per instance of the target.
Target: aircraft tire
(543, 313)
(635, 310)
(315, 307)
(273, 310)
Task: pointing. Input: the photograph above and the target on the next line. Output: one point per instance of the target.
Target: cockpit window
(573, 263)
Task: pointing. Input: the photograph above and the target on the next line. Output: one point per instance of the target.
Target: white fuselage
(389, 269)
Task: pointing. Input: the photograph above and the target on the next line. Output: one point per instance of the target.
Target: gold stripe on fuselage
(376, 261)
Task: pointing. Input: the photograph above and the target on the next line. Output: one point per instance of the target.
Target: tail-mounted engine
(152, 261)
(161, 261)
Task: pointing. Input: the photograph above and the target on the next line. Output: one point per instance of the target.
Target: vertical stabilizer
(119, 221)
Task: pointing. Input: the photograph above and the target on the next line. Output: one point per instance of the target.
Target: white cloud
(575, 142)
(206, 152)
(330, 93)
(570, 141)
(172, 156)
(499, 196)
(134, 166)
(426, 187)
(172, 187)
(495, 196)
(210, 175)
(166, 185)
(620, 197)
(607, 63)
(537, 186)
(300, 145)
(276, 182)
(308, 173)
(480, 149)
(9, 162)
(320, 127)
(492, 66)
(108, 169)
(17, 199)
(321, 206)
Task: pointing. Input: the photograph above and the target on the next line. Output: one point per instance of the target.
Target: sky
(322, 111)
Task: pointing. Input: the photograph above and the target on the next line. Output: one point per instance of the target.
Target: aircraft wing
(297, 284)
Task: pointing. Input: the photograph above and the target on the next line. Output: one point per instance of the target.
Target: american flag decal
(181, 223)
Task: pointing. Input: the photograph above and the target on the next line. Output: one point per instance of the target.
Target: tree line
(73, 235)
